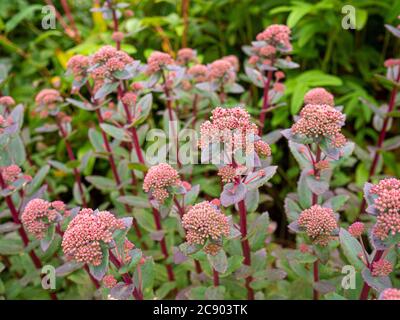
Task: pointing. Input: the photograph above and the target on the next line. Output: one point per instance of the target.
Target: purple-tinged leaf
(233, 194)
(377, 283)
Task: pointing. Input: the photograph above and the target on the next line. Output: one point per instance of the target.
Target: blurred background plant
(343, 61)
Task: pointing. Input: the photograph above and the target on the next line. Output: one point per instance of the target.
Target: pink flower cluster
(46, 101)
(78, 66)
(204, 221)
(234, 61)
(198, 73)
(277, 35)
(158, 179)
(221, 70)
(10, 173)
(319, 224)
(86, 234)
(321, 120)
(262, 149)
(227, 173)
(7, 101)
(319, 96)
(185, 56)
(232, 127)
(39, 214)
(157, 61)
(387, 203)
(356, 229)
(381, 268)
(109, 281)
(390, 294)
(108, 60)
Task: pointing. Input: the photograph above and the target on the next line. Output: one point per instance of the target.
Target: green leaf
(99, 271)
(26, 13)
(38, 179)
(102, 183)
(351, 248)
(80, 104)
(134, 201)
(165, 288)
(219, 262)
(105, 90)
(113, 131)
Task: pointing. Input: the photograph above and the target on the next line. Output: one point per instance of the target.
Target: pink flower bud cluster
(221, 70)
(277, 35)
(233, 128)
(262, 149)
(86, 234)
(185, 56)
(40, 214)
(321, 120)
(356, 229)
(387, 203)
(108, 60)
(198, 73)
(118, 36)
(204, 221)
(319, 96)
(390, 294)
(158, 179)
(381, 268)
(46, 101)
(157, 61)
(10, 173)
(319, 224)
(129, 99)
(234, 61)
(7, 101)
(78, 66)
(109, 281)
(227, 173)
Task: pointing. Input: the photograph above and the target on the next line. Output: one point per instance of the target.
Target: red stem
(366, 287)
(72, 158)
(197, 266)
(245, 246)
(171, 118)
(314, 202)
(125, 276)
(157, 220)
(115, 23)
(381, 139)
(25, 240)
(265, 101)
(215, 278)
(67, 10)
(116, 174)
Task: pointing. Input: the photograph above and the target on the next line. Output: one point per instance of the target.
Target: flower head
(109, 281)
(387, 204)
(78, 66)
(321, 120)
(233, 128)
(157, 61)
(86, 234)
(185, 56)
(390, 294)
(227, 173)
(381, 268)
(319, 96)
(234, 61)
(356, 229)
(39, 215)
(10, 173)
(277, 35)
(199, 73)
(319, 224)
(118, 36)
(108, 60)
(158, 179)
(7, 101)
(221, 70)
(204, 221)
